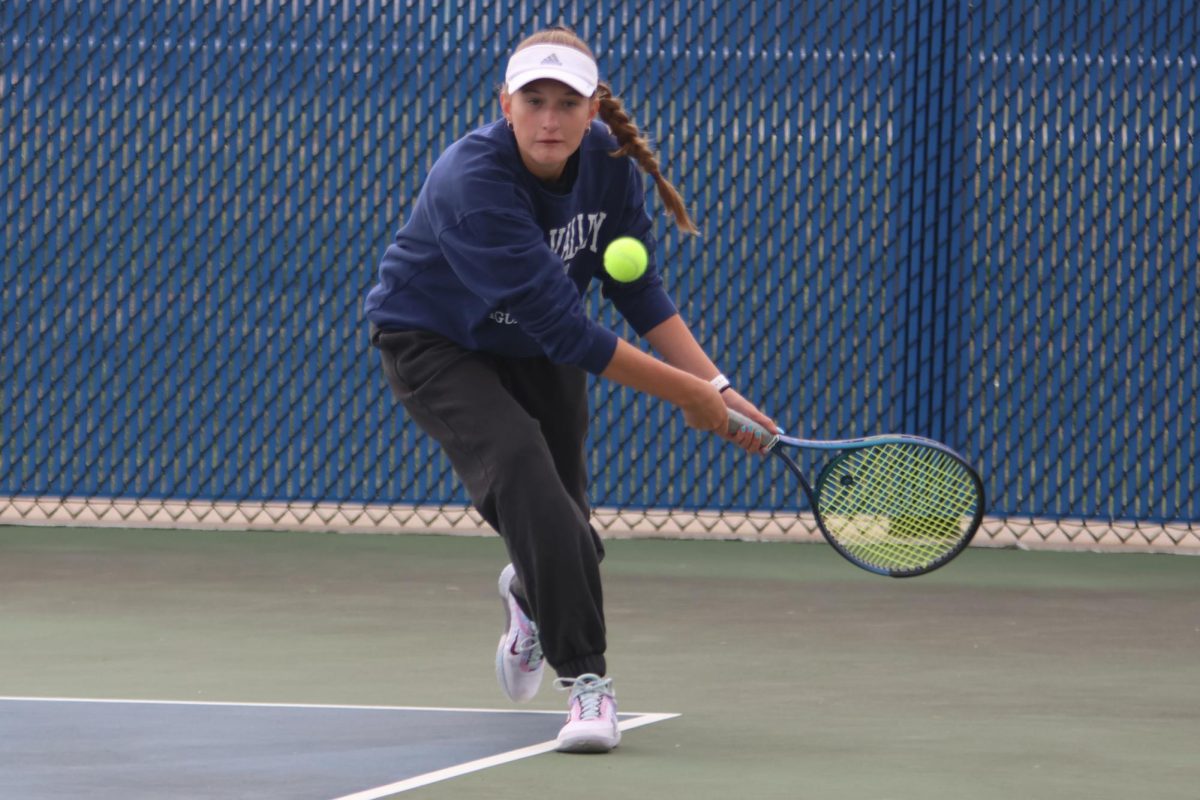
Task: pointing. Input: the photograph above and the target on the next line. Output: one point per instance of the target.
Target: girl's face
(549, 120)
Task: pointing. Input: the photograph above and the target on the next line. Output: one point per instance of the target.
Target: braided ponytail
(633, 144)
(613, 114)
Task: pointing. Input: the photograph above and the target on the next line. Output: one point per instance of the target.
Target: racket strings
(898, 506)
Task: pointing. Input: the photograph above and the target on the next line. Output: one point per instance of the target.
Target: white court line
(484, 763)
(636, 720)
(269, 705)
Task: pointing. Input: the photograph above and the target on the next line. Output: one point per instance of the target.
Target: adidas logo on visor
(572, 67)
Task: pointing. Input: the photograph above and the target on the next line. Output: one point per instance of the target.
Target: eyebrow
(531, 90)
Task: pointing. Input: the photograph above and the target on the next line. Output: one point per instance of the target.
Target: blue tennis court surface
(133, 749)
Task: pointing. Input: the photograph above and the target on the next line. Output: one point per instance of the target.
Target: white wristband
(720, 382)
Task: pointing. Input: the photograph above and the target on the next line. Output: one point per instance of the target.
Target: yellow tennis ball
(625, 259)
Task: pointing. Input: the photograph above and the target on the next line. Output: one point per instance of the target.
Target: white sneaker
(519, 662)
(591, 717)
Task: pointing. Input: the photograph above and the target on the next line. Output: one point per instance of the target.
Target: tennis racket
(894, 505)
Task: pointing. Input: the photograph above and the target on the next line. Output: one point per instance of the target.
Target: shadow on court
(1006, 674)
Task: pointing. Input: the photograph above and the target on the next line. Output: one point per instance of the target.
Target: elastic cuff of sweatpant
(581, 666)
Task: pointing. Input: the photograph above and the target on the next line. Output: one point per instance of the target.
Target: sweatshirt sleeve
(500, 254)
(643, 303)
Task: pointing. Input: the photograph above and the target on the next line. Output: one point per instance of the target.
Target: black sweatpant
(514, 430)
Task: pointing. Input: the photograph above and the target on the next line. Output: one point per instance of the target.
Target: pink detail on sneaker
(592, 725)
(523, 642)
(519, 660)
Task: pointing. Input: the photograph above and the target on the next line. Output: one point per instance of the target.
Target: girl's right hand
(705, 409)
(709, 411)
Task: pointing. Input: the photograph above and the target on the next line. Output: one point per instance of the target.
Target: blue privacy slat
(979, 222)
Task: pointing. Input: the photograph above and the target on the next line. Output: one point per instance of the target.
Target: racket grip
(739, 422)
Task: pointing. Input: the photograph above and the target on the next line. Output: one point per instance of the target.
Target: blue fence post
(926, 283)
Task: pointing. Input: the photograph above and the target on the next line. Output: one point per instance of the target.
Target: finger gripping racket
(894, 505)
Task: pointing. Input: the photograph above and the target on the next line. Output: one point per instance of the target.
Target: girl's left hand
(746, 439)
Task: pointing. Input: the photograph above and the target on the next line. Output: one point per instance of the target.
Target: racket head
(898, 505)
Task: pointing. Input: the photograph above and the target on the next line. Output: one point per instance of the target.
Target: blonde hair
(629, 137)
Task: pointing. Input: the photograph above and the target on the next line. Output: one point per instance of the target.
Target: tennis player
(479, 317)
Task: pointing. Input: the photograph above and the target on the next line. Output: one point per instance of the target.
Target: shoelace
(530, 647)
(590, 692)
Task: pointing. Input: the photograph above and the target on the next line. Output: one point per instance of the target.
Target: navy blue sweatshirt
(497, 261)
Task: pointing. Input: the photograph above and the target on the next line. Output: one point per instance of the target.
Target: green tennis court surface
(1006, 674)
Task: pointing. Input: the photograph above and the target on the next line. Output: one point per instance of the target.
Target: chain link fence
(977, 222)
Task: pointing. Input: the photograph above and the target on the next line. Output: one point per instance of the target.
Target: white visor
(564, 64)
